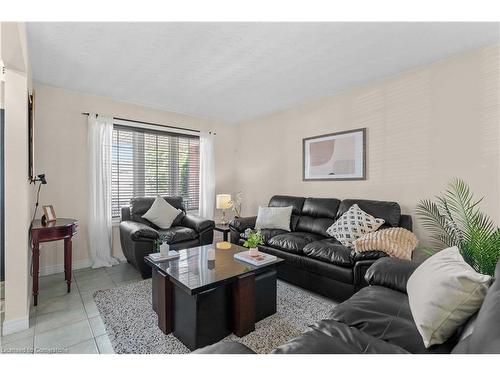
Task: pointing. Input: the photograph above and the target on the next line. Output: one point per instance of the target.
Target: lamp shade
(223, 201)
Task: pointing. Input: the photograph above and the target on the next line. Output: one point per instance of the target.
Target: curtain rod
(152, 123)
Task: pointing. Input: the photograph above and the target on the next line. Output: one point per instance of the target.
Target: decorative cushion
(397, 242)
(161, 213)
(274, 218)
(353, 224)
(444, 292)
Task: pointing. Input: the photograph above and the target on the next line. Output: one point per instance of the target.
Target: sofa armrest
(240, 224)
(225, 347)
(138, 231)
(197, 223)
(406, 222)
(391, 272)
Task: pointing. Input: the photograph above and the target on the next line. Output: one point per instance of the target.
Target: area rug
(131, 323)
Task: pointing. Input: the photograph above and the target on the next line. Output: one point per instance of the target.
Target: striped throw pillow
(397, 242)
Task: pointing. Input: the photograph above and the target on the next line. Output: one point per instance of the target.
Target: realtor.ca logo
(27, 350)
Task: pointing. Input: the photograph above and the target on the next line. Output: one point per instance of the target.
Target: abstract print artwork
(336, 156)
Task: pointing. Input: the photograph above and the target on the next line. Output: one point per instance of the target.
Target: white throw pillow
(444, 291)
(353, 224)
(274, 218)
(161, 213)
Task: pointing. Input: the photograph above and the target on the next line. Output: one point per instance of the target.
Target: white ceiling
(236, 71)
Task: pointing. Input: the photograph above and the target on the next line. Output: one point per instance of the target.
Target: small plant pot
(254, 251)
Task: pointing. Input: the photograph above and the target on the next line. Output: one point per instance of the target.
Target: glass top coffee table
(202, 301)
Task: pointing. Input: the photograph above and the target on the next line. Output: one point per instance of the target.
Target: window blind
(147, 163)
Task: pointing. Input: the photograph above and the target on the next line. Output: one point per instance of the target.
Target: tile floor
(69, 323)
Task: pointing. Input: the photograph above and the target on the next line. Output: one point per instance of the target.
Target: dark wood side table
(61, 229)
(224, 228)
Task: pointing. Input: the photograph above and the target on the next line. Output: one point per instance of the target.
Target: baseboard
(58, 268)
(15, 325)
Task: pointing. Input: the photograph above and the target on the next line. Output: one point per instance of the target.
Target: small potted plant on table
(253, 240)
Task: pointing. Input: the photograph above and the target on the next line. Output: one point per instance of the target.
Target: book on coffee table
(256, 260)
(164, 257)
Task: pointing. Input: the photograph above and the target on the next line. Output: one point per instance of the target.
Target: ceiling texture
(235, 72)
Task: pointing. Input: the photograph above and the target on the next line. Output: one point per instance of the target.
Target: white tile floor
(69, 323)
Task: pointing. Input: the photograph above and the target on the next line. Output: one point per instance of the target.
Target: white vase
(254, 251)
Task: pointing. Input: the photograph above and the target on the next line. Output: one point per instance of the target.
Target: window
(150, 163)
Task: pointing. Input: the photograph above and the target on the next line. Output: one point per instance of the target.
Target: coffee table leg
(244, 305)
(162, 301)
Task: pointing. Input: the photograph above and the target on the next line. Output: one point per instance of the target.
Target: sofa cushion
(389, 211)
(311, 265)
(330, 250)
(385, 314)
(317, 215)
(267, 234)
(294, 241)
(178, 234)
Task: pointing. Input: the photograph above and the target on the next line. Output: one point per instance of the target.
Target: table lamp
(223, 203)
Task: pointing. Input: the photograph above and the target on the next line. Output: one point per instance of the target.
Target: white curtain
(207, 175)
(100, 136)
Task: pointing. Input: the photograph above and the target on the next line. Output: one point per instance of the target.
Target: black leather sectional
(378, 320)
(137, 235)
(313, 259)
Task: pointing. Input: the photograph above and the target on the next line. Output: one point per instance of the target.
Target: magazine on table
(256, 260)
(164, 257)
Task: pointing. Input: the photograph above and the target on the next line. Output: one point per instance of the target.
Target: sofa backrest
(139, 206)
(317, 215)
(485, 337)
(389, 211)
(287, 201)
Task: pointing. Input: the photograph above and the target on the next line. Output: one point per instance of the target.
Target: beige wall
(18, 191)
(423, 128)
(61, 153)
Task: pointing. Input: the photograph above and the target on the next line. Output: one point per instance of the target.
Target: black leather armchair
(137, 235)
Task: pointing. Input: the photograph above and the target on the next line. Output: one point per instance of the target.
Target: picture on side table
(335, 156)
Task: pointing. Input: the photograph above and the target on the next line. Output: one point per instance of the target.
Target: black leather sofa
(313, 259)
(137, 235)
(378, 320)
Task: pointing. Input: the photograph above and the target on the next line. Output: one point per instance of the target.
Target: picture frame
(31, 136)
(49, 213)
(335, 156)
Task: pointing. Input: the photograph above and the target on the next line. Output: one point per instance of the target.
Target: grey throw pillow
(274, 218)
(444, 292)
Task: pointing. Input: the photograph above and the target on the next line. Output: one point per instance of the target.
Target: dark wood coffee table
(202, 301)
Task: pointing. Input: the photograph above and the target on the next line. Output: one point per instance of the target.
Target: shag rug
(131, 323)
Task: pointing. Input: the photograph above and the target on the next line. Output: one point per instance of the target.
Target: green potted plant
(254, 239)
(454, 219)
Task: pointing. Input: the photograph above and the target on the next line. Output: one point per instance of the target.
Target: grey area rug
(131, 323)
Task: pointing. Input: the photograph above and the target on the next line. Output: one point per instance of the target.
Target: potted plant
(455, 219)
(254, 239)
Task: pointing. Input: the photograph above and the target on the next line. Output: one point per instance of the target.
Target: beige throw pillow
(397, 242)
(444, 291)
(161, 213)
(354, 223)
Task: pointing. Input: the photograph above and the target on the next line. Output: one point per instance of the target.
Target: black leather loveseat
(313, 259)
(378, 320)
(137, 235)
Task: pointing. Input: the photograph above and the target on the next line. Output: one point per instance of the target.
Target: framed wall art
(335, 156)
